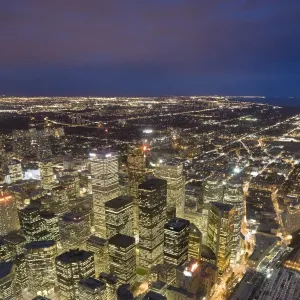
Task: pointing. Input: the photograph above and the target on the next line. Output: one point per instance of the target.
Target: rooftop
(95, 240)
(92, 284)
(177, 224)
(74, 256)
(222, 206)
(5, 268)
(118, 202)
(40, 244)
(122, 240)
(152, 184)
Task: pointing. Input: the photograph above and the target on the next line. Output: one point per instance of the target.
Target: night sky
(150, 47)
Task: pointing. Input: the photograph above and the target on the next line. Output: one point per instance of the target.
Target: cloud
(192, 38)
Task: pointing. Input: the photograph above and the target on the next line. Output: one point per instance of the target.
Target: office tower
(219, 233)
(122, 258)
(119, 216)
(176, 243)
(60, 202)
(104, 169)
(7, 281)
(50, 221)
(8, 213)
(71, 267)
(46, 174)
(92, 289)
(124, 293)
(195, 242)
(136, 163)
(74, 230)
(173, 174)
(213, 189)
(111, 282)
(15, 171)
(15, 243)
(152, 218)
(99, 247)
(71, 184)
(32, 225)
(234, 196)
(21, 277)
(40, 262)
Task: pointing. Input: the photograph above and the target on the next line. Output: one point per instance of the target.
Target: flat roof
(92, 283)
(74, 256)
(152, 184)
(119, 202)
(95, 240)
(40, 244)
(122, 240)
(5, 268)
(177, 224)
(222, 206)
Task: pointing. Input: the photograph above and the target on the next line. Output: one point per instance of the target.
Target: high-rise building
(124, 293)
(234, 195)
(15, 171)
(195, 242)
(152, 218)
(71, 184)
(92, 289)
(74, 230)
(32, 226)
(99, 247)
(122, 258)
(104, 169)
(119, 216)
(7, 281)
(212, 191)
(60, 202)
(8, 213)
(40, 262)
(21, 277)
(50, 221)
(136, 162)
(46, 174)
(219, 233)
(71, 267)
(173, 174)
(176, 243)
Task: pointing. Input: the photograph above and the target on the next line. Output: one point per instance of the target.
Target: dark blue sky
(150, 47)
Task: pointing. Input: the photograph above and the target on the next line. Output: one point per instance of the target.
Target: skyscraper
(50, 221)
(219, 233)
(74, 230)
(152, 218)
(99, 247)
(15, 171)
(40, 262)
(8, 213)
(234, 195)
(176, 233)
(32, 225)
(122, 258)
(119, 216)
(172, 172)
(46, 173)
(104, 169)
(59, 203)
(212, 191)
(195, 243)
(71, 267)
(136, 162)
